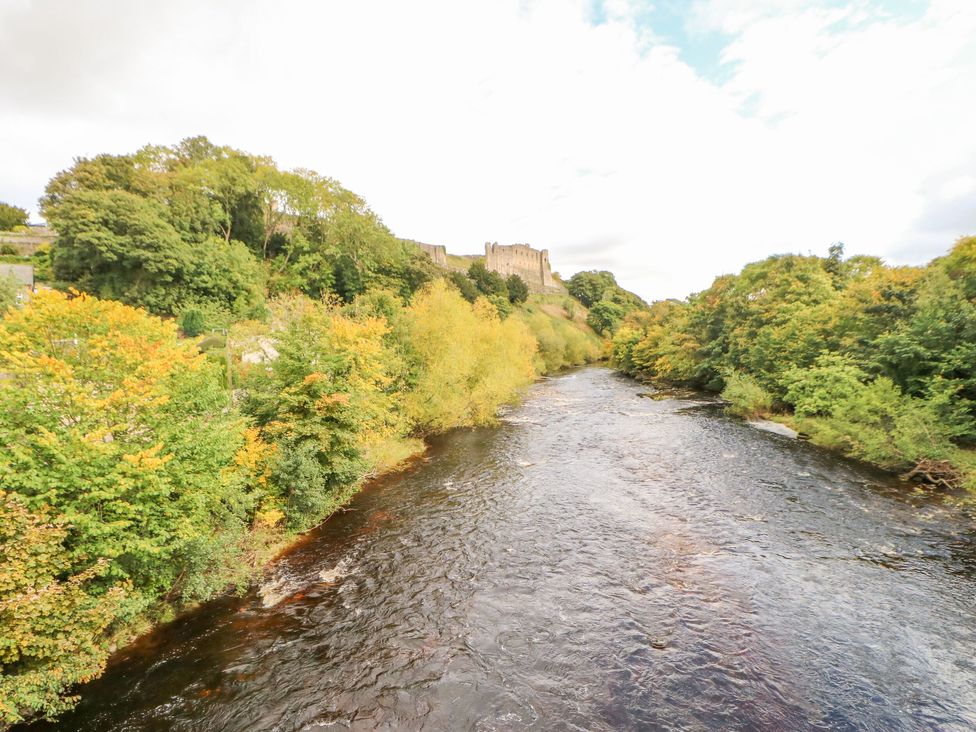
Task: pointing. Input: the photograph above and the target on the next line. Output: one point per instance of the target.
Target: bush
(562, 343)
(52, 625)
(880, 424)
(833, 380)
(192, 322)
(8, 249)
(747, 399)
(465, 361)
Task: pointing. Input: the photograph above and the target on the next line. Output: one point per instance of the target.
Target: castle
(530, 264)
(522, 260)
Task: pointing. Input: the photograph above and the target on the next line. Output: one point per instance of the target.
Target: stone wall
(532, 265)
(436, 252)
(27, 242)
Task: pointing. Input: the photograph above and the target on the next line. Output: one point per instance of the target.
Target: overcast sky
(668, 141)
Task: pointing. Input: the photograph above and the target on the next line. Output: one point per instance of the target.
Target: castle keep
(521, 259)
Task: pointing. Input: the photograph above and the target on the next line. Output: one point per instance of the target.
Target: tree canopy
(11, 216)
(167, 227)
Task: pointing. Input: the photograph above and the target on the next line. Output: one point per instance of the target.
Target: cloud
(583, 132)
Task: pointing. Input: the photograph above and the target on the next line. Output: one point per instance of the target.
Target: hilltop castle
(530, 264)
(521, 259)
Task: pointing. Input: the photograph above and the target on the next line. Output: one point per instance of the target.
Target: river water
(600, 561)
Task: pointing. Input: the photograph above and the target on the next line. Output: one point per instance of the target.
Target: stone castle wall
(530, 264)
(436, 252)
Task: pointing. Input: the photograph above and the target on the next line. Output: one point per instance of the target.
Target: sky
(669, 141)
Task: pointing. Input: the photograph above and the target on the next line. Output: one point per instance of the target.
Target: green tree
(9, 289)
(589, 287)
(321, 402)
(487, 282)
(122, 435)
(518, 290)
(11, 216)
(192, 322)
(465, 285)
(139, 470)
(605, 316)
(53, 625)
(119, 245)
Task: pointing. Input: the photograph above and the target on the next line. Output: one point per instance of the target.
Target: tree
(518, 290)
(152, 227)
(605, 316)
(487, 282)
(121, 434)
(468, 289)
(589, 287)
(9, 289)
(120, 428)
(119, 245)
(11, 216)
(321, 402)
(465, 360)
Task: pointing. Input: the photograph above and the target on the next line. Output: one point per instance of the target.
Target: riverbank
(956, 477)
(171, 496)
(872, 360)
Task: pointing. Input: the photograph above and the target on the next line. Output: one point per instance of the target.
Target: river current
(600, 561)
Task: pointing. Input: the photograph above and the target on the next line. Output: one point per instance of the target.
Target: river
(600, 561)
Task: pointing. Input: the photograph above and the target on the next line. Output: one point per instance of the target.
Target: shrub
(561, 342)
(465, 361)
(192, 322)
(880, 424)
(52, 625)
(747, 399)
(833, 380)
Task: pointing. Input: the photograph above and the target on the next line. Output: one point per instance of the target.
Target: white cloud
(523, 121)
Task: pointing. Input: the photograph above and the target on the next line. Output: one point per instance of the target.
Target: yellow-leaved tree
(467, 361)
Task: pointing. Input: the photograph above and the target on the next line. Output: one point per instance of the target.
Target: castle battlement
(532, 265)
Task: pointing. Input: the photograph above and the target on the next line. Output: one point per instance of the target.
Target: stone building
(530, 264)
(436, 252)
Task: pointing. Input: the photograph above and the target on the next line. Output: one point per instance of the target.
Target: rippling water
(601, 561)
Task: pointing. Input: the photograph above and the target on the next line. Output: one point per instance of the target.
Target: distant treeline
(876, 361)
(229, 351)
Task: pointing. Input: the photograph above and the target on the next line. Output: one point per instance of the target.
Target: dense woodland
(878, 362)
(145, 463)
